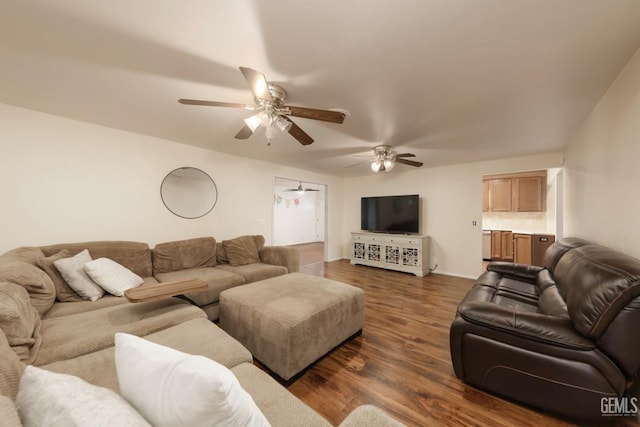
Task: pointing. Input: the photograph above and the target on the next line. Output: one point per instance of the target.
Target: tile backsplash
(522, 222)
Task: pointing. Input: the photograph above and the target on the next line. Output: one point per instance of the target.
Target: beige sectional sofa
(77, 337)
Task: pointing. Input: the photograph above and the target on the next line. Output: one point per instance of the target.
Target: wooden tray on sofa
(163, 290)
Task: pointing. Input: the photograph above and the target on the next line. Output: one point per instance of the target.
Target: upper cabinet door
(485, 196)
(530, 194)
(521, 192)
(500, 195)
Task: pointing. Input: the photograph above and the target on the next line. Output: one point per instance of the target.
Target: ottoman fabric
(290, 321)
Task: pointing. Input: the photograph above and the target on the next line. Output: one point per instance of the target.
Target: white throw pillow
(50, 399)
(111, 276)
(72, 271)
(172, 388)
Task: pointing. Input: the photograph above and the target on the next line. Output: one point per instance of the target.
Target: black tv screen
(390, 214)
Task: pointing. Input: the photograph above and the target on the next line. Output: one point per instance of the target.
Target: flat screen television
(390, 214)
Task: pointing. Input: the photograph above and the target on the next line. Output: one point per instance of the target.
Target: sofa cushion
(72, 271)
(74, 335)
(255, 272)
(9, 413)
(111, 276)
(37, 283)
(196, 336)
(10, 368)
(241, 251)
(136, 256)
(216, 279)
(66, 308)
(183, 254)
(20, 321)
(51, 399)
(222, 254)
(277, 404)
(64, 292)
(173, 388)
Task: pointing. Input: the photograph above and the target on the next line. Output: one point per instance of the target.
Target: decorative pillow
(50, 399)
(111, 276)
(64, 292)
(241, 251)
(37, 283)
(183, 254)
(172, 388)
(20, 321)
(72, 271)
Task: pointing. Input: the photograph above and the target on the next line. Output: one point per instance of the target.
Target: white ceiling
(450, 80)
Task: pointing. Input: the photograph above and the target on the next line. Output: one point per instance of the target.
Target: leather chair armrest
(281, 255)
(542, 328)
(520, 271)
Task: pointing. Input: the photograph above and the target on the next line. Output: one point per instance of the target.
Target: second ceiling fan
(272, 113)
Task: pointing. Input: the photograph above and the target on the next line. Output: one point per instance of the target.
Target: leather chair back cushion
(619, 340)
(136, 256)
(597, 283)
(558, 249)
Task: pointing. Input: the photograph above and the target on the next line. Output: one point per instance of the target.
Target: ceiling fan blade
(216, 104)
(405, 155)
(244, 133)
(409, 162)
(311, 189)
(257, 83)
(315, 114)
(295, 131)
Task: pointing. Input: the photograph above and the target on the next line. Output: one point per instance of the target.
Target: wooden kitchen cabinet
(530, 194)
(522, 192)
(500, 195)
(485, 196)
(507, 246)
(496, 245)
(522, 249)
(501, 245)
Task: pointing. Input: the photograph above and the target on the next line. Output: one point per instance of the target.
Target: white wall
(602, 176)
(294, 222)
(451, 198)
(67, 181)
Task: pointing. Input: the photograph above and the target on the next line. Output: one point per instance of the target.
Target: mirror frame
(215, 189)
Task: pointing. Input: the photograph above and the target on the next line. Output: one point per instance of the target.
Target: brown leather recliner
(558, 338)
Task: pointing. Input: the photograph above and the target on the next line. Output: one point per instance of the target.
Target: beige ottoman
(288, 322)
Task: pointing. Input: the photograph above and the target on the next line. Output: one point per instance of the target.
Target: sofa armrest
(541, 328)
(281, 255)
(370, 416)
(521, 271)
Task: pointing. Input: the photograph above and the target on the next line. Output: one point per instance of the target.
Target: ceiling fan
(385, 159)
(301, 190)
(272, 113)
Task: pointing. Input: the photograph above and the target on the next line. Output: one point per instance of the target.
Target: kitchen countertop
(520, 232)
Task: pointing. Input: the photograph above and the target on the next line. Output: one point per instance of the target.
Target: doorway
(521, 213)
(299, 216)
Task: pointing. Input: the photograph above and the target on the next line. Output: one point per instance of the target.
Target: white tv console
(402, 252)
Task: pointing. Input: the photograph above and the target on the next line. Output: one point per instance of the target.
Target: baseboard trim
(448, 273)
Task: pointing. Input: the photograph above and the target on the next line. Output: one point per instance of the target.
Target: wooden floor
(401, 361)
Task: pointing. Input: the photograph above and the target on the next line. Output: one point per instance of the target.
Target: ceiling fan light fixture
(376, 165)
(388, 164)
(265, 118)
(253, 122)
(282, 124)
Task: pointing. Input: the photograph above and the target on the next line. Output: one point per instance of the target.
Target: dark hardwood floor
(401, 362)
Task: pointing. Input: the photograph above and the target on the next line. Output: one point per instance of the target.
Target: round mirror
(188, 192)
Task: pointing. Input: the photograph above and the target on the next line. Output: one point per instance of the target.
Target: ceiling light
(376, 165)
(253, 122)
(265, 118)
(389, 164)
(282, 124)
